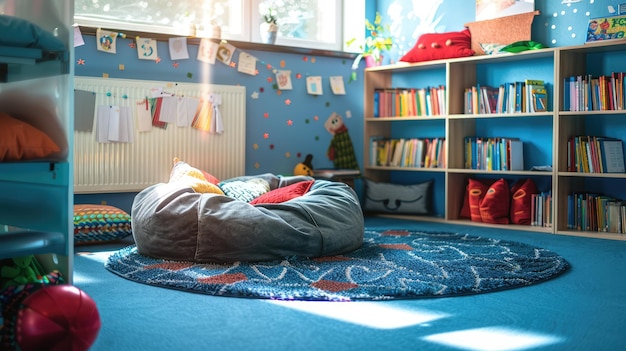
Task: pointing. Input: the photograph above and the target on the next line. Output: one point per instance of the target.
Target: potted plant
(269, 28)
(376, 43)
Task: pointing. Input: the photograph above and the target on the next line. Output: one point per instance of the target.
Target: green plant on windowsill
(376, 43)
(269, 27)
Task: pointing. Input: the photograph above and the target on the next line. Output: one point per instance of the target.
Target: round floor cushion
(172, 221)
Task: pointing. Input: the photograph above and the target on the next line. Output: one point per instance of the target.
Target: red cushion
(435, 46)
(476, 190)
(285, 193)
(494, 207)
(521, 198)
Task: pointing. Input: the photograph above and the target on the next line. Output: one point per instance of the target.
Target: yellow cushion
(190, 176)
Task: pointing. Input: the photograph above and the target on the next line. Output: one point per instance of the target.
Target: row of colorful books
(410, 102)
(594, 93)
(515, 97)
(541, 209)
(494, 154)
(595, 154)
(418, 153)
(596, 213)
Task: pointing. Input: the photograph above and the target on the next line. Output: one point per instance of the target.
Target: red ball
(57, 317)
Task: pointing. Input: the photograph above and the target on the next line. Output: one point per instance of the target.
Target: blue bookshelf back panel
(613, 126)
(606, 63)
(434, 128)
(419, 79)
(612, 187)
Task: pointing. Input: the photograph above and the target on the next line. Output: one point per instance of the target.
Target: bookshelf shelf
(544, 134)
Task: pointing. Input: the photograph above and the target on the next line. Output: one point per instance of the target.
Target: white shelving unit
(36, 196)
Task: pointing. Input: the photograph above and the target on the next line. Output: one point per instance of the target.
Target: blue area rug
(391, 264)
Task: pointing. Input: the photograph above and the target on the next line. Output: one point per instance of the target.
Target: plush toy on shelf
(340, 151)
(19, 271)
(304, 168)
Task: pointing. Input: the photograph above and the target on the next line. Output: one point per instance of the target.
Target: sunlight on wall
(493, 339)
(375, 315)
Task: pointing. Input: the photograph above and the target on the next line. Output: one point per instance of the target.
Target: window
(302, 23)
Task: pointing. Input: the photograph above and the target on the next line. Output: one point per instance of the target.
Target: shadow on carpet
(391, 264)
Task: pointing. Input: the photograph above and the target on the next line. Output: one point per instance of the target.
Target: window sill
(244, 45)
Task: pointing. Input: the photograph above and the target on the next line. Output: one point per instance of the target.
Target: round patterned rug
(391, 264)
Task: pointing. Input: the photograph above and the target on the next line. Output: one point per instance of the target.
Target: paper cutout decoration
(207, 51)
(247, 64)
(84, 107)
(106, 41)
(314, 85)
(208, 117)
(178, 48)
(144, 118)
(337, 86)
(225, 53)
(168, 109)
(78, 37)
(115, 124)
(283, 80)
(147, 49)
(186, 107)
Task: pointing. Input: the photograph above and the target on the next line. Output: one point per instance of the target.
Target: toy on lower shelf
(47, 315)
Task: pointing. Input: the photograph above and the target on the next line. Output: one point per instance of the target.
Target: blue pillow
(18, 32)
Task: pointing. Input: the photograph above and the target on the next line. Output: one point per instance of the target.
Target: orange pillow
(521, 199)
(21, 141)
(285, 193)
(435, 46)
(494, 207)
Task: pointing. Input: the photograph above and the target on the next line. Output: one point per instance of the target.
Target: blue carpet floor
(584, 309)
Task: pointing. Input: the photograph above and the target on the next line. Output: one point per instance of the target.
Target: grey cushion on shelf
(398, 198)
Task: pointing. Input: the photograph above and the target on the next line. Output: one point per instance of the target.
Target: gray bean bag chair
(172, 221)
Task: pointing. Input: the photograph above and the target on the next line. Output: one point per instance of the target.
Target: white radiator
(131, 167)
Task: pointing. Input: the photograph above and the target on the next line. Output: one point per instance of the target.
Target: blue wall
(558, 24)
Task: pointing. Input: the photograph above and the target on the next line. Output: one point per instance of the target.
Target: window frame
(250, 21)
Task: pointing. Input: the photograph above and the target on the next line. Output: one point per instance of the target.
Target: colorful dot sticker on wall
(257, 165)
(255, 146)
(288, 154)
(266, 135)
(298, 75)
(282, 63)
(271, 146)
(288, 102)
(266, 115)
(289, 122)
